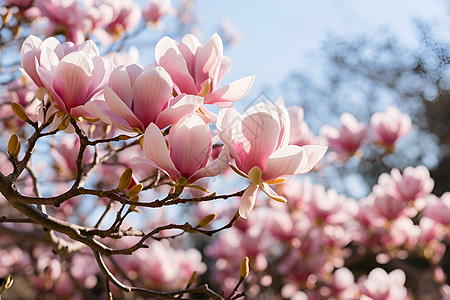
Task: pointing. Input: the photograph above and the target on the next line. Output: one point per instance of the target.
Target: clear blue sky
(282, 36)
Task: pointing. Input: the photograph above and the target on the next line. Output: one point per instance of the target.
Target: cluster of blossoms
(106, 20)
(306, 246)
(172, 93)
(309, 245)
(385, 129)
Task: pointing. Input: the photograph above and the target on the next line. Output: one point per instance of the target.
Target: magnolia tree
(126, 181)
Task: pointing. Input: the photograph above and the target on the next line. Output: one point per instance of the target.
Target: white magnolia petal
(248, 200)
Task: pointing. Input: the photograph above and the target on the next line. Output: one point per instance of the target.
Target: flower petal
(215, 168)
(188, 46)
(190, 144)
(72, 78)
(311, 156)
(208, 60)
(225, 68)
(155, 149)
(284, 161)
(152, 90)
(232, 92)
(169, 56)
(248, 200)
(182, 105)
(119, 108)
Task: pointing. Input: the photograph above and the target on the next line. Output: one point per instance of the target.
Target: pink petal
(152, 90)
(100, 74)
(72, 78)
(121, 109)
(311, 156)
(101, 110)
(155, 149)
(261, 127)
(120, 83)
(183, 105)
(190, 144)
(248, 200)
(208, 60)
(48, 59)
(225, 68)
(228, 122)
(169, 56)
(284, 161)
(232, 92)
(188, 47)
(215, 168)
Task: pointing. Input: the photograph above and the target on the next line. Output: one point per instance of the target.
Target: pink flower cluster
(306, 245)
(75, 19)
(386, 128)
(172, 93)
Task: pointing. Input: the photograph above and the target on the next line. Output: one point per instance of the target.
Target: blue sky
(282, 36)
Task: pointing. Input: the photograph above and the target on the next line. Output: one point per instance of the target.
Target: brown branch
(161, 295)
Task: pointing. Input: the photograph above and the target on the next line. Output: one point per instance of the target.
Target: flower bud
(207, 220)
(14, 145)
(192, 279)
(244, 267)
(135, 190)
(125, 179)
(40, 94)
(19, 111)
(6, 283)
(133, 207)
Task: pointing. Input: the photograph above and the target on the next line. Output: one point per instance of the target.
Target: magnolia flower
(136, 97)
(197, 69)
(300, 132)
(185, 160)
(74, 80)
(389, 126)
(347, 140)
(37, 53)
(379, 285)
(72, 75)
(128, 17)
(413, 184)
(67, 14)
(258, 142)
(438, 209)
(156, 9)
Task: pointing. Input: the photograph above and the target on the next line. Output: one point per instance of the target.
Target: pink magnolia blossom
(74, 80)
(389, 126)
(136, 97)
(163, 267)
(300, 133)
(157, 9)
(197, 69)
(412, 184)
(65, 16)
(37, 53)
(379, 285)
(438, 209)
(343, 284)
(128, 16)
(348, 139)
(188, 153)
(72, 75)
(258, 142)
